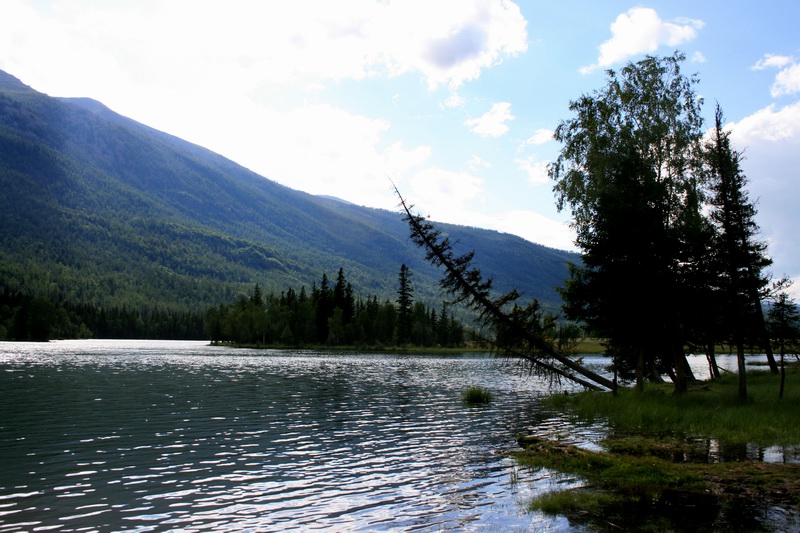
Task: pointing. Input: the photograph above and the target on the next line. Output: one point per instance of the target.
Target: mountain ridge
(103, 209)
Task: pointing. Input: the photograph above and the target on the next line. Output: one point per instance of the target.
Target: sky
(455, 101)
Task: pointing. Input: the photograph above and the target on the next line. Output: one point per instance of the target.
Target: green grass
(590, 345)
(476, 396)
(709, 409)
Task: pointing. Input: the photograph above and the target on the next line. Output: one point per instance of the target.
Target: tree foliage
(333, 316)
(738, 254)
(34, 318)
(405, 305)
(628, 172)
(659, 273)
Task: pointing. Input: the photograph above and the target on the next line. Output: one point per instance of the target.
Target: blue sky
(456, 100)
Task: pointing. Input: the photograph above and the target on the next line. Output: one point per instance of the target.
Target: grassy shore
(662, 447)
(590, 345)
(710, 409)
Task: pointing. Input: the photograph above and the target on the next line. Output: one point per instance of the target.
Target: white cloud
(770, 139)
(535, 169)
(787, 81)
(641, 31)
(449, 42)
(454, 100)
(477, 163)
(540, 136)
(189, 42)
(698, 57)
(535, 227)
(493, 122)
(446, 194)
(769, 124)
(449, 197)
(772, 61)
(320, 149)
(400, 160)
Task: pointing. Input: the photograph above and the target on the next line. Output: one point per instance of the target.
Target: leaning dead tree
(519, 330)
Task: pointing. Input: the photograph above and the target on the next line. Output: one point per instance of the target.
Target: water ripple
(182, 436)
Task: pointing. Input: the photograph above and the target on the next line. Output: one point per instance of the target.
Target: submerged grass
(644, 477)
(629, 475)
(476, 396)
(572, 501)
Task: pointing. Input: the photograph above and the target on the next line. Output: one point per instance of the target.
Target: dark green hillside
(98, 209)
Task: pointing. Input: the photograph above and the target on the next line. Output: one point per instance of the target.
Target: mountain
(97, 208)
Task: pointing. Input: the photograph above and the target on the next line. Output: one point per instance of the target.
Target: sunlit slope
(98, 208)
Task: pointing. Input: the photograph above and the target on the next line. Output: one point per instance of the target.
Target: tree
(405, 305)
(323, 305)
(257, 298)
(466, 283)
(443, 327)
(698, 272)
(740, 256)
(386, 323)
(784, 319)
(627, 172)
(343, 297)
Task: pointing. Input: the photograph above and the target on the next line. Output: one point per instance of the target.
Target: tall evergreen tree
(740, 255)
(339, 291)
(405, 305)
(323, 305)
(257, 298)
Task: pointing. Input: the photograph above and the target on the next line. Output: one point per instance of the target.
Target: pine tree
(405, 304)
(257, 298)
(323, 305)
(740, 256)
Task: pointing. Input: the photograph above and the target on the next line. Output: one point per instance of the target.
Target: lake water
(154, 436)
(111, 435)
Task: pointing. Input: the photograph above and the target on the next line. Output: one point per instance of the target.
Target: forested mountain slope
(96, 208)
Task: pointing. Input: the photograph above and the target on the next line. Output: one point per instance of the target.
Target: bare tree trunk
(762, 332)
(640, 371)
(783, 372)
(655, 375)
(742, 371)
(680, 370)
(712, 360)
(616, 372)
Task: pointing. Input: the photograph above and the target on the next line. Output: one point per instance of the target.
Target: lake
(154, 436)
